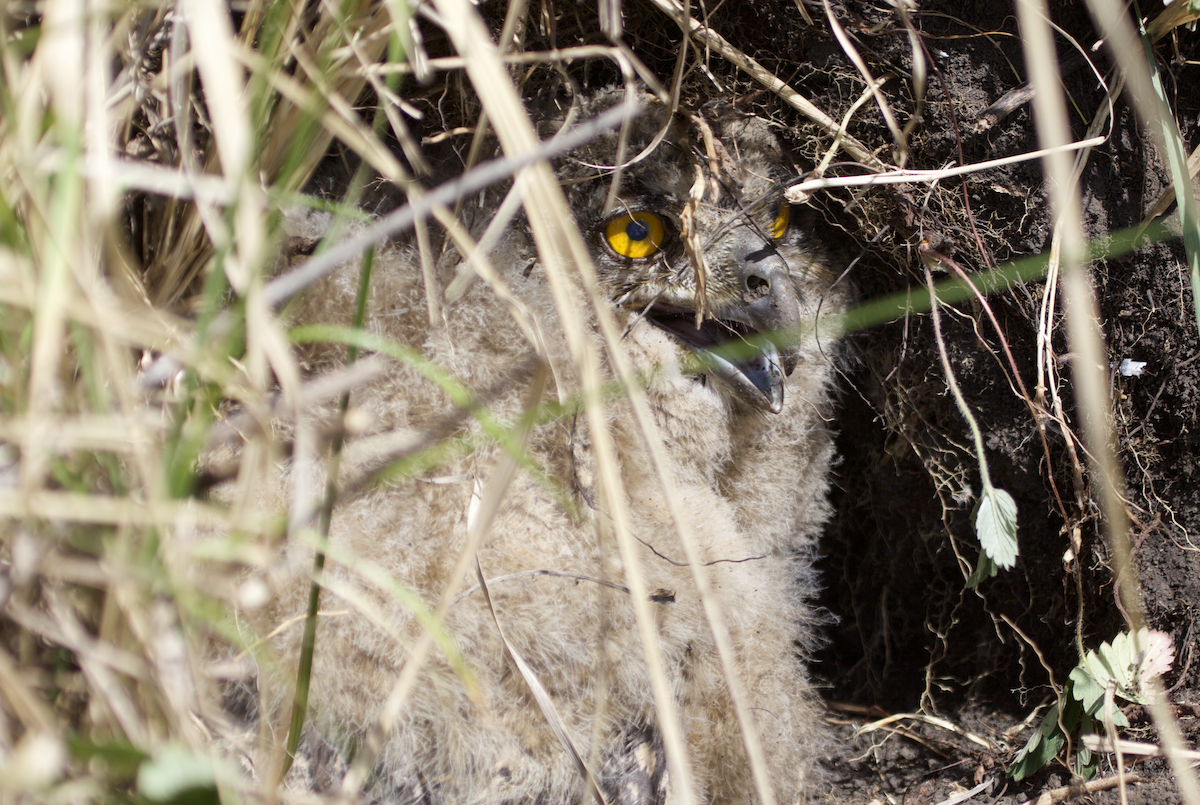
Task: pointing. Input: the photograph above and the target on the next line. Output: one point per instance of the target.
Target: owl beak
(757, 380)
(743, 346)
(769, 312)
(745, 343)
(741, 358)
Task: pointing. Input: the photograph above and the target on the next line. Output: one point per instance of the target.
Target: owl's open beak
(757, 380)
(741, 344)
(748, 363)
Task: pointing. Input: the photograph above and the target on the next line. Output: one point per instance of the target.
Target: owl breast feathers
(740, 405)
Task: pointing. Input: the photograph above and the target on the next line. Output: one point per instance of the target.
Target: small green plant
(1123, 667)
(995, 514)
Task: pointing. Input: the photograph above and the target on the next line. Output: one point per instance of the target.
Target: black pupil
(636, 230)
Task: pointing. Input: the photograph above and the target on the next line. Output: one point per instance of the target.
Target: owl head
(690, 231)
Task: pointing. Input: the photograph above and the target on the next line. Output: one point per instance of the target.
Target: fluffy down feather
(754, 483)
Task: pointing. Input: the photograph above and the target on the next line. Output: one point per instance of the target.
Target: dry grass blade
(74, 507)
(541, 696)
(25, 703)
(982, 788)
(480, 518)
(484, 509)
(284, 287)
(1170, 18)
(899, 138)
(1100, 743)
(940, 723)
(1167, 199)
(1070, 792)
(800, 191)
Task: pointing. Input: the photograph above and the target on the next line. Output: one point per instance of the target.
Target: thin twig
(796, 193)
(1083, 789)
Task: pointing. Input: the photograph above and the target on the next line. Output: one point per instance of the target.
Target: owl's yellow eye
(635, 235)
(783, 216)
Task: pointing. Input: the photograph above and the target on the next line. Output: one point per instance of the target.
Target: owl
(725, 296)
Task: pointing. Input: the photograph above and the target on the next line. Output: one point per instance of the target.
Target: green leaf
(120, 758)
(1042, 747)
(1130, 661)
(175, 775)
(983, 571)
(1072, 713)
(1087, 763)
(996, 525)
(1086, 689)
(1125, 664)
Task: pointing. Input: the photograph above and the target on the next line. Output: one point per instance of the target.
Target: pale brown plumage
(753, 482)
